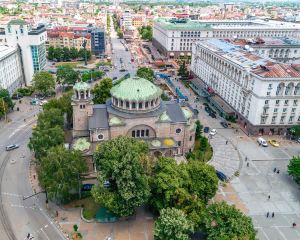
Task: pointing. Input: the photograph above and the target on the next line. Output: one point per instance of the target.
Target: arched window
(297, 89)
(289, 89)
(127, 104)
(140, 105)
(82, 94)
(133, 105)
(280, 89)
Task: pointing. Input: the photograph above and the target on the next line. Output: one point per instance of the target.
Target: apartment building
(11, 76)
(263, 94)
(174, 37)
(31, 41)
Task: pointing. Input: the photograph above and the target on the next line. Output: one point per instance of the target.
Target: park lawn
(72, 64)
(89, 206)
(203, 156)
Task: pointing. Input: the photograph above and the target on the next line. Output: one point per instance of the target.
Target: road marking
(12, 194)
(280, 233)
(262, 230)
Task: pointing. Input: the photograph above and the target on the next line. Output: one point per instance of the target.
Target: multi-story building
(68, 39)
(174, 37)
(31, 42)
(98, 41)
(280, 49)
(126, 20)
(264, 94)
(11, 76)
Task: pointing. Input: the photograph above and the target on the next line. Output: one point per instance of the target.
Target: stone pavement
(226, 157)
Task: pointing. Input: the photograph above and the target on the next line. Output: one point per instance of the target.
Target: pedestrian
(267, 214)
(226, 142)
(274, 170)
(56, 213)
(273, 214)
(246, 159)
(269, 197)
(247, 164)
(278, 171)
(294, 224)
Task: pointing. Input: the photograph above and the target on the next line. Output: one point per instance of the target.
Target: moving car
(11, 147)
(224, 124)
(221, 176)
(213, 132)
(206, 129)
(262, 142)
(274, 143)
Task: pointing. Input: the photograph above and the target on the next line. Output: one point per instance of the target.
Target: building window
(121, 103)
(191, 138)
(293, 110)
(282, 119)
(179, 143)
(142, 133)
(127, 104)
(178, 130)
(146, 104)
(277, 102)
(138, 133)
(140, 105)
(100, 137)
(133, 105)
(133, 134)
(286, 102)
(291, 119)
(147, 132)
(275, 110)
(284, 110)
(295, 102)
(268, 93)
(266, 101)
(273, 119)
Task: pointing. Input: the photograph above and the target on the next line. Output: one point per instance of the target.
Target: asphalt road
(119, 52)
(19, 217)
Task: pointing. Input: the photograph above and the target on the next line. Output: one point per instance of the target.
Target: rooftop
(184, 24)
(6, 51)
(257, 42)
(247, 59)
(17, 22)
(136, 89)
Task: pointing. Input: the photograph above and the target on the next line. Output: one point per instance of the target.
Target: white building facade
(264, 94)
(11, 72)
(32, 44)
(174, 37)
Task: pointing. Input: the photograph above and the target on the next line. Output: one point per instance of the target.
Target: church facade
(135, 109)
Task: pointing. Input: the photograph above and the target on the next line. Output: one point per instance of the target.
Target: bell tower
(82, 108)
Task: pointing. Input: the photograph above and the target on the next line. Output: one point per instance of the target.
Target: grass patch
(88, 204)
(202, 150)
(72, 64)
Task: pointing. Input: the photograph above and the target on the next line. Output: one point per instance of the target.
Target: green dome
(136, 89)
(81, 86)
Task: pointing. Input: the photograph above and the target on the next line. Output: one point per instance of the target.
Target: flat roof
(6, 51)
(188, 24)
(181, 24)
(262, 41)
(263, 67)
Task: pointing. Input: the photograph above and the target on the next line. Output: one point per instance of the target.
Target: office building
(31, 42)
(11, 72)
(98, 42)
(174, 37)
(263, 94)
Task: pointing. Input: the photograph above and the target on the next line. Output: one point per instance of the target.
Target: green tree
(43, 82)
(73, 53)
(51, 55)
(58, 54)
(183, 71)
(67, 75)
(167, 184)
(101, 91)
(295, 130)
(294, 168)
(172, 224)
(146, 33)
(146, 73)
(66, 54)
(6, 103)
(223, 221)
(199, 128)
(43, 139)
(60, 172)
(82, 51)
(50, 118)
(202, 180)
(119, 162)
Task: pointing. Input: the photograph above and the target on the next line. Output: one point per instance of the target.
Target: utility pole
(85, 54)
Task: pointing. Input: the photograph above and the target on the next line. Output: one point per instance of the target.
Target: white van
(262, 142)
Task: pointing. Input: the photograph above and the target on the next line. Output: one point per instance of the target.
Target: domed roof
(135, 89)
(81, 86)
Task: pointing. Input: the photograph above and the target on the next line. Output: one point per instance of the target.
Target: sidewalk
(226, 157)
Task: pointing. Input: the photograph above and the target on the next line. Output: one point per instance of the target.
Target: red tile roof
(277, 70)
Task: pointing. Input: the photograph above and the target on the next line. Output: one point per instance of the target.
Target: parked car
(207, 109)
(87, 187)
(262, 142)
(298, 140)
(213, 132)
(224, 124)
(274, 143)
(213, 115)
(11, 147)
(115, 78)
(221, 176)
(206, 129)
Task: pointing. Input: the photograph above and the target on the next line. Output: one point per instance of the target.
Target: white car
(213, 132)
(262, 142)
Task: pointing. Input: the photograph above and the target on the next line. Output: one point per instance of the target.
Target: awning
(189, 54)
(182, 54)
(171, 54)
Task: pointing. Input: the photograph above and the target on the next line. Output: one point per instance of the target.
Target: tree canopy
(146, 32)
(295, 130)
(43, 82)
(144, 72)
(60, 172)
(183, 71)
(101, 91)
(294, 168)
(119, 162)
(67, 75)
(223, 221)
(172, 224)
(6, 103)
(67, 54)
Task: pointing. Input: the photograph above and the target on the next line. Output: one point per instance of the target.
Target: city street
(18, 217)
